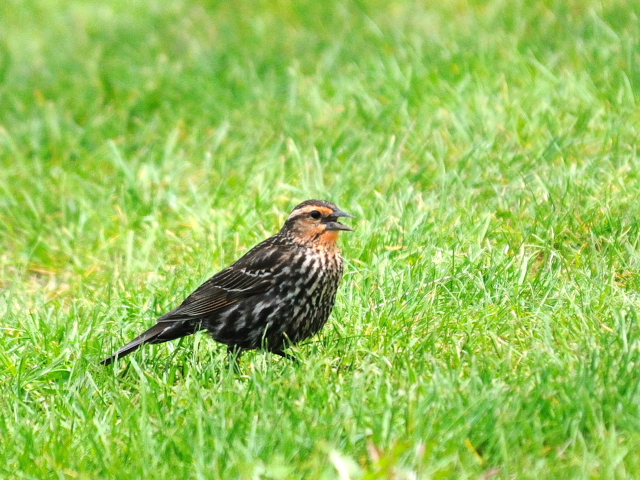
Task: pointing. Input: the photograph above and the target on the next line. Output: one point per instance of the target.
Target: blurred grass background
(486, 326)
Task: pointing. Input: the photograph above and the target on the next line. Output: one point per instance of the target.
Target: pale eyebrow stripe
(308, 209)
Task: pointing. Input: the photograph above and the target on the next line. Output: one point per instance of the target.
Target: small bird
(278, 294)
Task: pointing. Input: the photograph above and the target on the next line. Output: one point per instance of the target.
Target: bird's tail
(159, 333)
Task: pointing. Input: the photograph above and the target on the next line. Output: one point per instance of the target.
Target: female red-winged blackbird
(281, 292)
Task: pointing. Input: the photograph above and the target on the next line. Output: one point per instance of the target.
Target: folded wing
(253, 274)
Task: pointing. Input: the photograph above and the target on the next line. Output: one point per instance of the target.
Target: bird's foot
(286, 355)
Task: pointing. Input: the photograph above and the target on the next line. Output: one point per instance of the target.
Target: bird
(278, 294)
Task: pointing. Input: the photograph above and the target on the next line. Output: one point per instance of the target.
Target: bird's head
(316, 221)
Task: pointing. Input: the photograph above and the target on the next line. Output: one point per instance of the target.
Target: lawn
(487, 324)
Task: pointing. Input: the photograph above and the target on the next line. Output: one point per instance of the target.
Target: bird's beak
(333, 225)
(337, 226)
(340, 213)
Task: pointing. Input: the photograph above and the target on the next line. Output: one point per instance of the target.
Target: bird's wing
(253, 274)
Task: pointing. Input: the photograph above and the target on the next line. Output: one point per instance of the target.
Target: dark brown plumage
(280, 293)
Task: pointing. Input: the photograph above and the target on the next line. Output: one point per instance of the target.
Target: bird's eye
(315, 214)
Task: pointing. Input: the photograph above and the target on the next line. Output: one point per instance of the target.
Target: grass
(487, 324)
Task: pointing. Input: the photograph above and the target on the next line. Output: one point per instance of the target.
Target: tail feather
(159, 333)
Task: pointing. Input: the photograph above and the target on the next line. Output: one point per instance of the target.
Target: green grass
(487, 325)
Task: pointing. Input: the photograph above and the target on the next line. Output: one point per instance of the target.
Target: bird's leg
(286, 355)
(233, 358)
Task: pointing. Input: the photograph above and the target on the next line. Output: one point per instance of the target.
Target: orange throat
(328, 242)
(330, 236)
